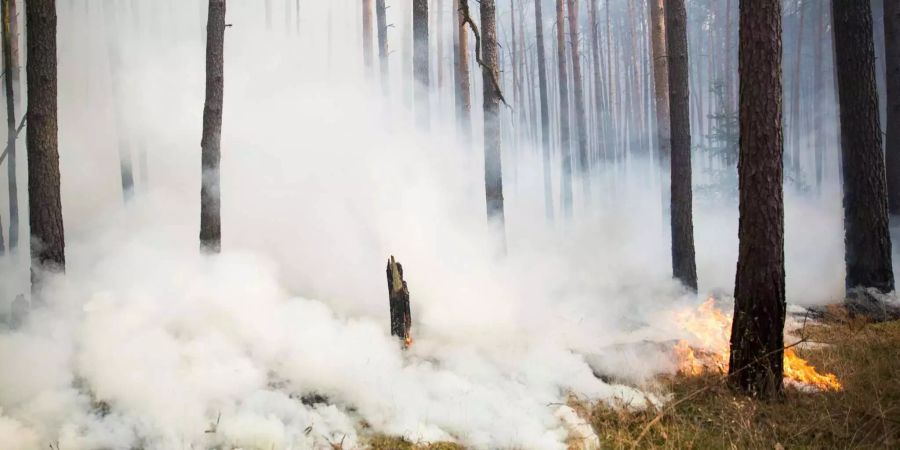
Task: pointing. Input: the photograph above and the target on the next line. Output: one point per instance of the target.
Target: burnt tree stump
(398, 294)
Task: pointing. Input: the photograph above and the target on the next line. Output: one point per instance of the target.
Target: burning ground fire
(709, 350)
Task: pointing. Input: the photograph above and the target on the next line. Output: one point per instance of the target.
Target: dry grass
(866, 414)
(381, 442)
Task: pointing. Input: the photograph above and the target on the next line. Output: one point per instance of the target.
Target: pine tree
(463, 95)
(420, 62)
(892, 64)
(564, 133)
(8, 71)
(867, 240)
(545, 108)
(757, 333)
(493, 173)
(210, 193)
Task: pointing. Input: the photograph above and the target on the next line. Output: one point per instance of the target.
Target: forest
(602, 224)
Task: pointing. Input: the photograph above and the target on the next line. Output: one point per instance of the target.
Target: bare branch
(467, 19)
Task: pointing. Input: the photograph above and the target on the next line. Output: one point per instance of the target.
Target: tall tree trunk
(661, 90)
(210, 194)
(420, 62)
(381, 21)
(892, 64)
(368, 55)
(545, 108)
(599, 100)
(8, 70)
(564, 133)
(114, 52)
(795, 97)
(44, 203)
(757, 332)
(493, 174)
(439, 30)
(683, 264)
(461, 73)
(578, 98)
(818, 141)
(867, 242)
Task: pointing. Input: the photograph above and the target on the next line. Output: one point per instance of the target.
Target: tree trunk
(600, 107)
(564, 133)
(757, 333)
(8, 70)
(126, 166)
(493, 174)
(545, 109)
(683, 263)
(420, 62)
(398, 297)
(818, 141)
(44, 203)
(795, 98)
(661, 90)
(868, 244)
(578, 98)
(14, 47)
(368, 55)
(461, 73)
(439, 30)
(892, 64)
(210, 194)
(381, 21)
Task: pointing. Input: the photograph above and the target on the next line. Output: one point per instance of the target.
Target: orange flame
(709, 350)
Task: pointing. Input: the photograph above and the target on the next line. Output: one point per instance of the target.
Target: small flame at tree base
(711, 327)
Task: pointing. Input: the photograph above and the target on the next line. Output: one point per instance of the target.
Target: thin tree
(757, 333)
(564, 134)
(368, 55)
(892, 65)
(818, 82)
(493, 173)
(8, 70)
(867, 240)
(683, 264)
(44, 203)
(461, 73)
(795, 96)
(661, 91)
(578, 98)
(381, 23)
(210, 193)
(545, 108)
(420, 61)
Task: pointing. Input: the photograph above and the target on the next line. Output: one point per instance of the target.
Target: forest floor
(704, 414)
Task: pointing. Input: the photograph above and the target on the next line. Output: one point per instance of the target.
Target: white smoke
(283, 340)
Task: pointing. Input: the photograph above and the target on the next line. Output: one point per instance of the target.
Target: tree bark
(14, 47)
(600, 107)
(892, 65)
(867, 241)
(210, 193)
(818, 84)
(44, 202)
(545, 109)
(398, 297)
(368, 55)
(683, 264)
(564, 133)
(461, 73)
(757, 333)
(8, 71)
(420, 62)
(493, 173)
(661, 90)
(381, 22)
(578, 98)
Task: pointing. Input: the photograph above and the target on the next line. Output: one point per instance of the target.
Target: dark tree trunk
(493, 173)
(8, 71)
(867, 241)
(44, 203)
(14, 47)
(892, 64)
(381, 22)
(564, 133)
(578, 98)
(398, 296)
(2, 246)
(757, 333)
(210, 194)
(420, 62)
(461, 73)
(368, 55)
(683, 265)
(545, 108)
(818, 85)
